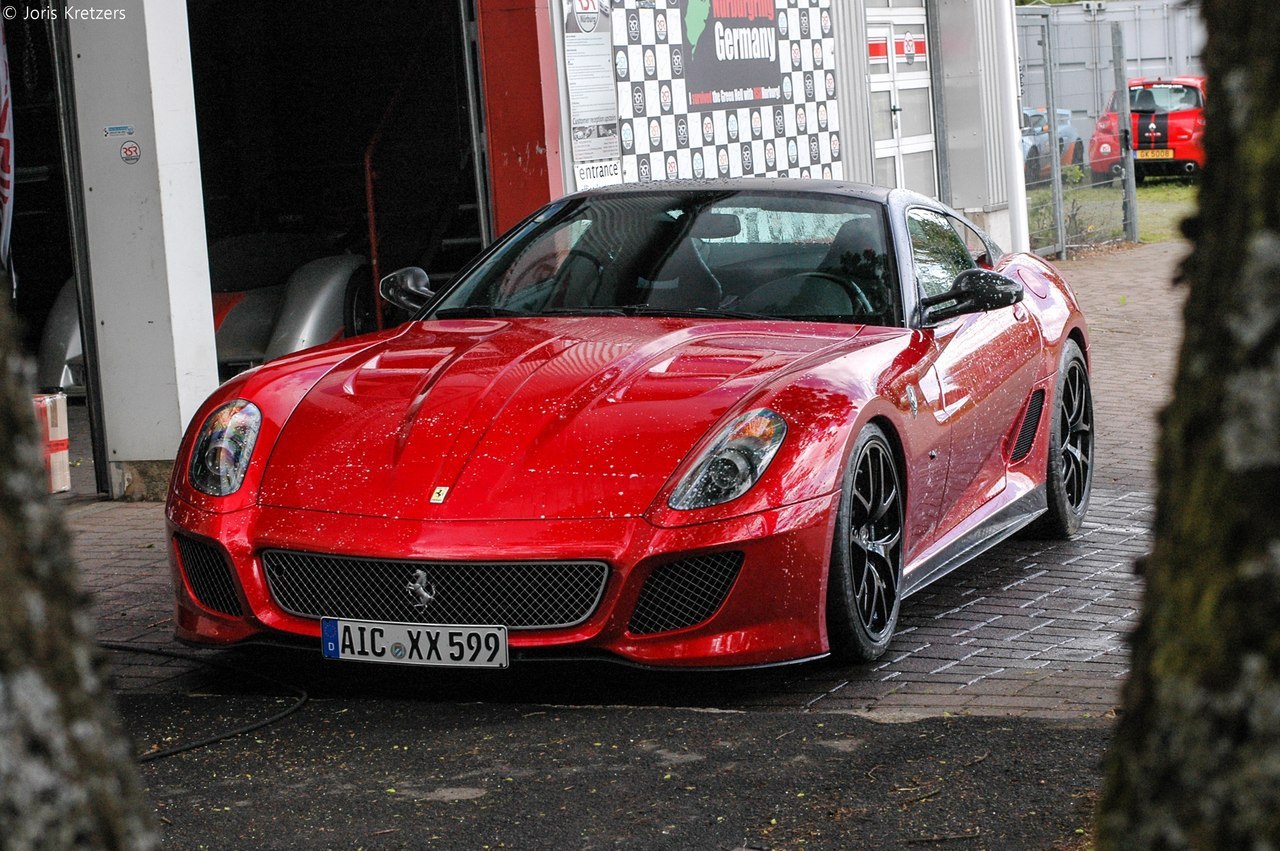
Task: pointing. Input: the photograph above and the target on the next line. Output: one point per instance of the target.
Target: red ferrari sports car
(684, 424)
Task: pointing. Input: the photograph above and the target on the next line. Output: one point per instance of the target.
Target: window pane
(917, 112)
(919, 174)
(1163, 98)
(912, 58)
(881, 116)
(938, 252)
(886, 172)
(974, 242)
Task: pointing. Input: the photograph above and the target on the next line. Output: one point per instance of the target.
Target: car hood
(523, 419)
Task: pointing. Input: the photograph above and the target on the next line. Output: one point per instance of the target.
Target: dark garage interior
(290, 100)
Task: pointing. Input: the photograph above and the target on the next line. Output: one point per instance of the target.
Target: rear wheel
(864, 596)
(1069, 480)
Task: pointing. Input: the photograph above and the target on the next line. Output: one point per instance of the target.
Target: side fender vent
(1030, 425)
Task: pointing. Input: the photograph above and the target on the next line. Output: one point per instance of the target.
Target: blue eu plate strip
(329, 638)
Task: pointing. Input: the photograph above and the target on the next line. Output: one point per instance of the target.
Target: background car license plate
(414, 643)
(1155, 154)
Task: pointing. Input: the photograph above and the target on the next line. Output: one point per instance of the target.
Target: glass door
(901, 102)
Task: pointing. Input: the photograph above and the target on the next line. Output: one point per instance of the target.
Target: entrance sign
(593, 96)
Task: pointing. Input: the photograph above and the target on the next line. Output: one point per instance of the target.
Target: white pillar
(144, 221)
(1011, 115)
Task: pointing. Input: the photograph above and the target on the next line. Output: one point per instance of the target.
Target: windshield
(723, 253)
(1161, 97)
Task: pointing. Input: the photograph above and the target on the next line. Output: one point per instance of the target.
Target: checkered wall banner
(723, 88)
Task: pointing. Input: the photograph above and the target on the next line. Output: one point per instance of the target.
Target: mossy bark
(1196, 757)
(67, 776)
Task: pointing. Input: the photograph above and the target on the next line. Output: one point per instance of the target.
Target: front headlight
(732, 464)
(223, 449)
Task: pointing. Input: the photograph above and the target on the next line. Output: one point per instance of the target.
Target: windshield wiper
(582, 311)
(476, 310)
(693, 312)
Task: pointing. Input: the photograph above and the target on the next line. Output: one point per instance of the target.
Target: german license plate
(1154, 154)
(414, 643)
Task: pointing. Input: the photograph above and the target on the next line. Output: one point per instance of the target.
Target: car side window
(938, 251)
(973, 241)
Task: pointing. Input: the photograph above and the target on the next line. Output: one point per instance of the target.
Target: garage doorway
(339, 128)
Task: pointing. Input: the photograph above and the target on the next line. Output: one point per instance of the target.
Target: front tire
(1069, 479)
(864, 596)
(1032, 167)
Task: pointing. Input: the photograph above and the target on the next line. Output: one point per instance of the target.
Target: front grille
(1030, 425)
(519, 595)
(685, 592)
(209, 575)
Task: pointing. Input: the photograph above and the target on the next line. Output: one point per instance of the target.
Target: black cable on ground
(301, 694)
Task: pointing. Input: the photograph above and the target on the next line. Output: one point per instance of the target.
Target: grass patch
(1094, 215)
(1162, 205)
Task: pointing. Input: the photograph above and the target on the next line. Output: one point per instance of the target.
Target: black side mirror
(973, 291)
(409, 288)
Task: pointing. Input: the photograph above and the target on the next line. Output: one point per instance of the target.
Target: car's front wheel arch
(865, 568)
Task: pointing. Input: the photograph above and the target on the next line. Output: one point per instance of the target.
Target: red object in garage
(517, 85)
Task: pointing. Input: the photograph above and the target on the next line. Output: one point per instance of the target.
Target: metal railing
(1079, 195)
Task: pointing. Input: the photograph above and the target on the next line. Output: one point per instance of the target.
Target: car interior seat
(857, 255)
(854, 248)
(684, 282)
(1145, 101)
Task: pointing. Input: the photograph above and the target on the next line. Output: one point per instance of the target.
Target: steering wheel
(855, 293)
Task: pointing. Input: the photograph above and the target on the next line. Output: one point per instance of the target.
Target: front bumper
(774, 611)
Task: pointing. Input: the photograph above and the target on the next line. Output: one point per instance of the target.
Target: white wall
(144, 213)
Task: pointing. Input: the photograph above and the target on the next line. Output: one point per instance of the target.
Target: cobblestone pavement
(1032, 628)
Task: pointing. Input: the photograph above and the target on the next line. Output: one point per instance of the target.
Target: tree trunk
(67, 777)
(1196, 759)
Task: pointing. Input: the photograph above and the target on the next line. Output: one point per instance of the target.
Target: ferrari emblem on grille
(438, 495)
(422, 590)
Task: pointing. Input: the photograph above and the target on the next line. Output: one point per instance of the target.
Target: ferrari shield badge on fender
(438, 495)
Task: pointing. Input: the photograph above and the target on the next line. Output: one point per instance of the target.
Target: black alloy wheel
(1075, 424)
(866, 570)
(1069, 479)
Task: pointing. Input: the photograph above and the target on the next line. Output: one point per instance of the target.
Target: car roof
(763, 185)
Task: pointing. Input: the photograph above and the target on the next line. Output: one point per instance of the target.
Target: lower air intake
(685, 592)
(209, 575)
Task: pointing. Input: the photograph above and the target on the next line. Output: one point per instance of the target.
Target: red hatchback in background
(1168, 129)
